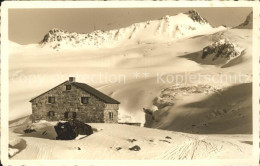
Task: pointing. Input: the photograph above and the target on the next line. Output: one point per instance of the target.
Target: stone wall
(95, 111)
(113, 108)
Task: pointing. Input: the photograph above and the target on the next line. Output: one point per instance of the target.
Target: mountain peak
(167, 28)
(248, 23)
(51, 33)
(54, 30)
(195, 16)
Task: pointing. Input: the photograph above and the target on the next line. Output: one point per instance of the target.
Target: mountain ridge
(168, 27)
(248, 23)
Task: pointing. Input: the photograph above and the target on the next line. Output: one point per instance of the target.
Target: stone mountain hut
(74, 100)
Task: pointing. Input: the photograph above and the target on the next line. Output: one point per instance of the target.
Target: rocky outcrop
(248, 23)
(135, 148)
(71, 129)
(195, 16)
(167, 98)
(222, 48)
(29, 130)
(149, 117)
(16, 145)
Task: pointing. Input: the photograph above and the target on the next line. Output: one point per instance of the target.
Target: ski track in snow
(191, 148)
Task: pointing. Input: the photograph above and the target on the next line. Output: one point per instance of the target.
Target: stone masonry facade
(95, 111)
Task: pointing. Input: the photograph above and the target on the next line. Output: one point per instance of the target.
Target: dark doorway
(66, 115)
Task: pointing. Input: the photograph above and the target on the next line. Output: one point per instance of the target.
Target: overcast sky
(28, 26)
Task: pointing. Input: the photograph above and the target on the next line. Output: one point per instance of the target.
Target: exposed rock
(15, 146)
(132, 140)
(29, 130)
(65, 131)
(167, 137)
(135, 148)
(71, 129)
(81, 128)
(165, 141)
(168, 95)
(195, 16)
(149, 118)
(222, 48)
(118, 148)
(12, 152)
(44, 133)
(165, 101)
(248, 23)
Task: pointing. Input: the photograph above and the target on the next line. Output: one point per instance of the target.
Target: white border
(256, 78)
(123, 4)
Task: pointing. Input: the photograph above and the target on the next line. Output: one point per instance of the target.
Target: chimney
(72, 79)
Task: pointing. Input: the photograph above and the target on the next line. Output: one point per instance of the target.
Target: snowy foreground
(112, 141)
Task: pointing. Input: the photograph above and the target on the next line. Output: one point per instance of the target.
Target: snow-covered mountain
(167, 28)
(248, 23)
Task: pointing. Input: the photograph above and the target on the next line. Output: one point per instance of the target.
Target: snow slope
(35, 70)
(194, 110)
(114, 144)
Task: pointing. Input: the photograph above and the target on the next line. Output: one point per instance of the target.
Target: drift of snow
(114, 144)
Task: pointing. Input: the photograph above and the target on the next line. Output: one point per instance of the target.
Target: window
(68, 87)
(84, 100)
(51, 113)
(51, 100)
(110, 115)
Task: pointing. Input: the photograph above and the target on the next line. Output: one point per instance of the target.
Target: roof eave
(112, 103)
